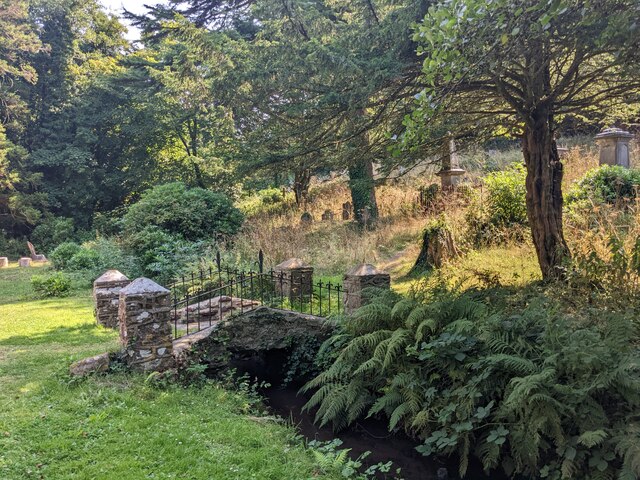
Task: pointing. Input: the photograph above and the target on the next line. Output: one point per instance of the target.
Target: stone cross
(106, 297)
(357, 279)
(614, 147)
(144, 313)
(450, 172)
(293, 279)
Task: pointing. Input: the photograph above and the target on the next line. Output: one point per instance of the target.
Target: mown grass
(117, 425)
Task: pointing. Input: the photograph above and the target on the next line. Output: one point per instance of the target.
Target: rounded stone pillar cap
(111, 276)
(292, 264)
(365, 270)
(141, 286)
(614, 133)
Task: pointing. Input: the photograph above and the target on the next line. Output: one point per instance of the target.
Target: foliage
(606, 184)
(52, 232)
(331, 458)
(527, 389)
(62, 255)
(504, 215)
(55, 285)
(193, 213)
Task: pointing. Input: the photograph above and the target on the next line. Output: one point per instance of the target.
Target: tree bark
(363, 192)
(301, 181)
(544, 194)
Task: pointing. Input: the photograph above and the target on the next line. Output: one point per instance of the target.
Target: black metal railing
(202, 298)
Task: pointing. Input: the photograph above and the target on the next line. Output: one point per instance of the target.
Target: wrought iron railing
(202, 298)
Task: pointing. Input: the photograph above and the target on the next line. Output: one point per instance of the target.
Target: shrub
(53, 231)
(62, 255)
(194, 214)
(507, 196)
(608, 184)
(84, 259)
(525, 388)
(504, 214)
(56, 285)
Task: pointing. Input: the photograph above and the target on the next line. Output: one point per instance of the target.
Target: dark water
(367, 435)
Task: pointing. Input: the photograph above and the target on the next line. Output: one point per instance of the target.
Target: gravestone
(450, 173)
(144, 313)
(24, 262)
(614, 147)
(293, 279)
(4, 262)
(347, 211)
(34, 256)
(358, 278)
(306, 218)
(106, 297)
(327, 216)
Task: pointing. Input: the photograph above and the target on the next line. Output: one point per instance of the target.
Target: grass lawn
(116, 426)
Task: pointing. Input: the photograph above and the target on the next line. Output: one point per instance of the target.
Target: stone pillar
(293, 279)
(24, 262)
(614, 147)
(4, 262)
(145, 326)
(106, 295)
(358, 278)
(451, 172)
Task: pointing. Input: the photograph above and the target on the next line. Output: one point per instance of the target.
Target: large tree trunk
(301, 182)
(363, 192)
(544, 194)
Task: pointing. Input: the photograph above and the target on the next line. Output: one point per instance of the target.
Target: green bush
(507, 196)
(52, 232)
(524, 387)
(56, 285)
(192, 213)
(503, 215)
(84, 259)
(62, 255)
(606, 184)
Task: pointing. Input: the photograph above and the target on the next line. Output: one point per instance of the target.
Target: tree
(521, 64)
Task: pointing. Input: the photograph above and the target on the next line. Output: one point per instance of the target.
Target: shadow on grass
(78, 335)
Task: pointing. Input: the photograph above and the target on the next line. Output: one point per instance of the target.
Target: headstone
(106, 297)
(327, 216)
(365, 215)
(306, 218)
(34, 256)
(293, 279)
(614, 147)
(145, 326)
(4, 262)
(24, 262)
(347, 211)
(450, 173)
(357, 279)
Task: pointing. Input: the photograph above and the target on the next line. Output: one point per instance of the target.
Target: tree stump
(438, 246)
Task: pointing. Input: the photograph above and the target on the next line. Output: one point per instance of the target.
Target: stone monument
(614, 147)
(347, 211)
(24, 262)
(4, 262)
(450, 173)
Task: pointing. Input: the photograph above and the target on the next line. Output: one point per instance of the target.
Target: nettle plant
(534, 393)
